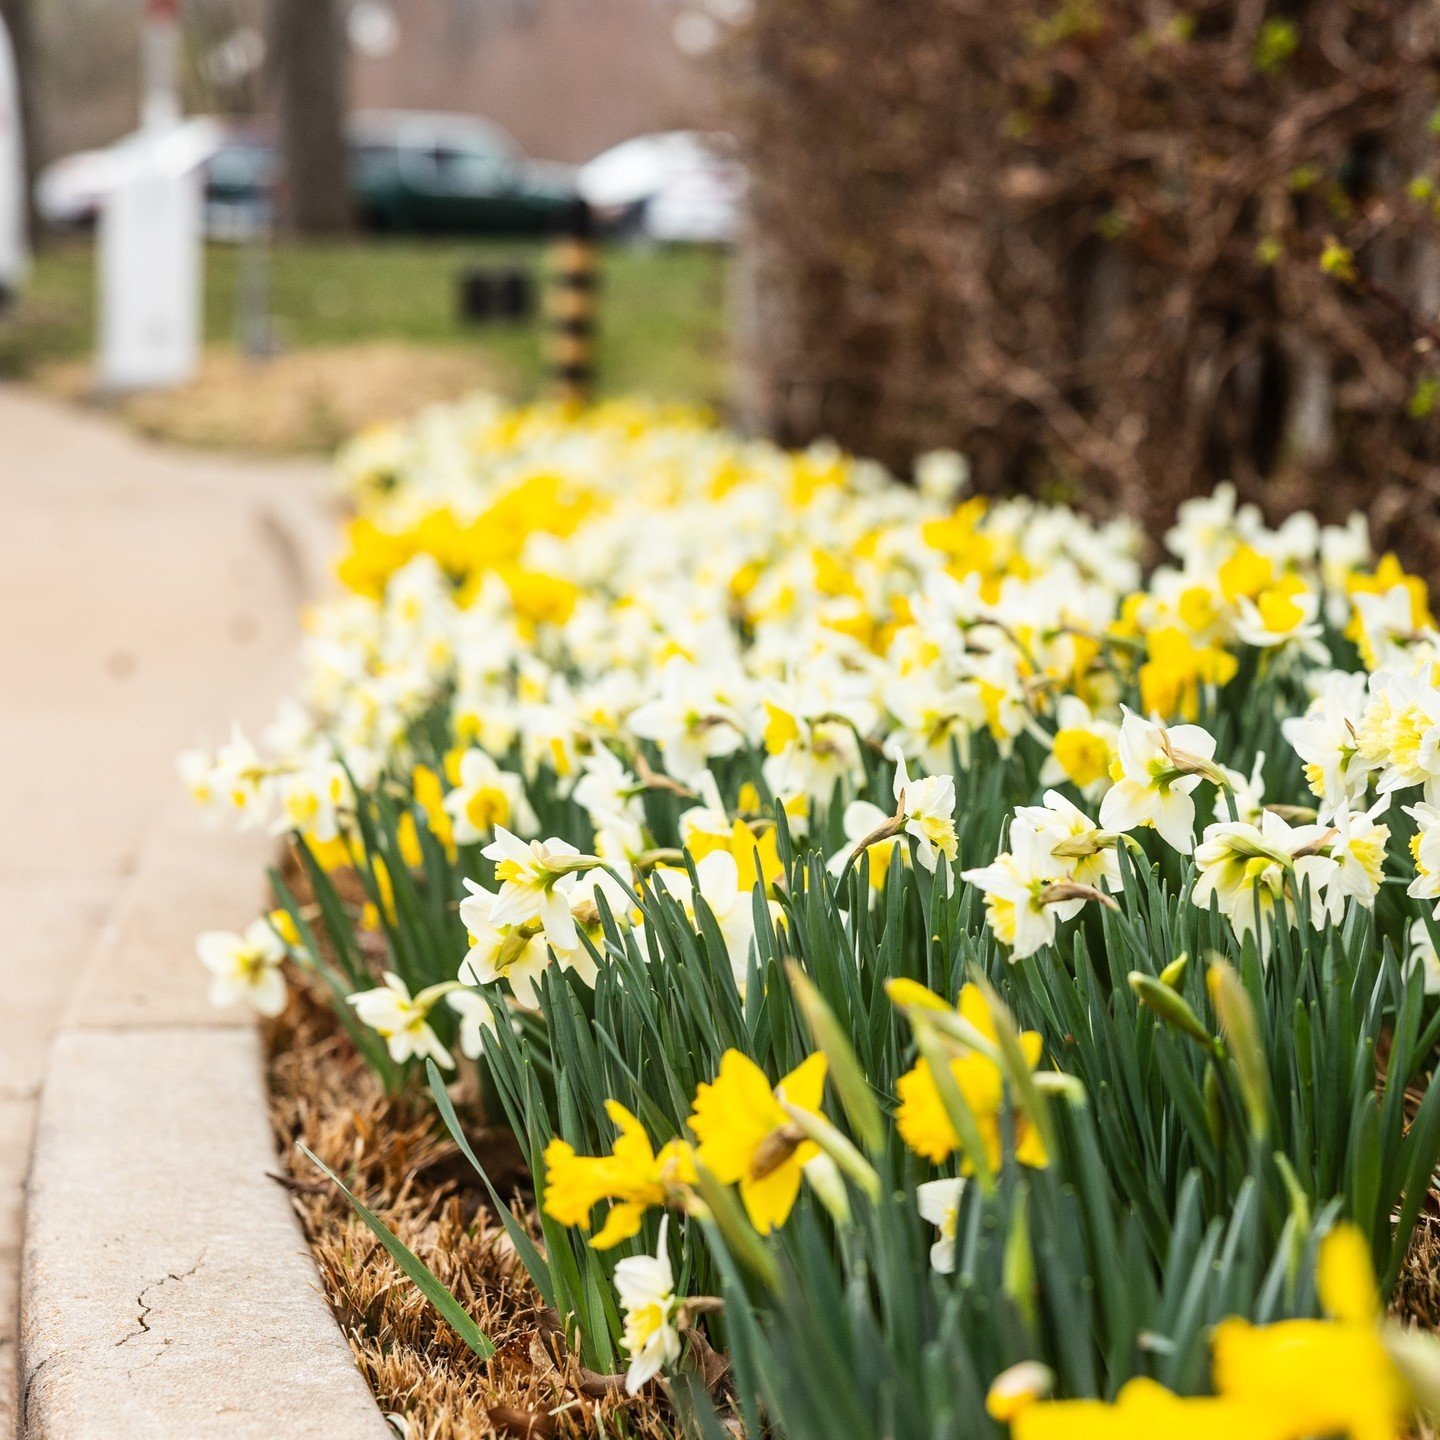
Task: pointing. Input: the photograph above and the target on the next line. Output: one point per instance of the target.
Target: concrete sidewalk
(145, 597)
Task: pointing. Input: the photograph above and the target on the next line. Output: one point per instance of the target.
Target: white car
(12, 176)
(678, 186)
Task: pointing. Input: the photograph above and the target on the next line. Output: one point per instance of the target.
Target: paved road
(145, 595)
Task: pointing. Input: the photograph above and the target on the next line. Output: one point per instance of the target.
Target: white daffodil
(1283, 617)
(821, 754)
(1207, 526)
(585, 909)
(1358, 850)
(727, 900)
(1022, 902)
(1157, 769)
(1400, 729)
(939, 1202)
(311, 800)
(196, 770)
(709, 823)
(245, 967)
(535, 884)
(1325, 739)
(1254, 872)
(1422, 953)
(403, 1021)
(942, 476)
(609, 794)
(688, 720)
(477, 1019)
(1425, 851)
(645, 1287)
(1342, 551)
(484, 798)
(1081, 851)
(935, 715)
(995, 675)
(927, 809)
(242, 780)
(1387, 626)
(516, 954)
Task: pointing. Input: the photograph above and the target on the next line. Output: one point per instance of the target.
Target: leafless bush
(1115, 249)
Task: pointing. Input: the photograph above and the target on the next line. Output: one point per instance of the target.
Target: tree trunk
(308, 70)
(19, 18)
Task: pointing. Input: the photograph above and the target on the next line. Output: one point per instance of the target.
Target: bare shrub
(1115, 249)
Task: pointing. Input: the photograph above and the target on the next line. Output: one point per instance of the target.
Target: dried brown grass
(299, 402)
(398, 1159)
(394, 1154)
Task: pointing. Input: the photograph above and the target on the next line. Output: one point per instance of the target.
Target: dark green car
(451, 174)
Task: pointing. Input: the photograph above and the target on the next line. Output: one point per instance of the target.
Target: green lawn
(662, 315)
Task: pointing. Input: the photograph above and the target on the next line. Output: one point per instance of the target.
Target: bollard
(570, 308)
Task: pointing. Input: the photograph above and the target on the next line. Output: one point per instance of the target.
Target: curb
(167, 1291)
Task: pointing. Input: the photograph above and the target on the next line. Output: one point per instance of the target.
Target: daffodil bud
(1174, 972)
(1077, 847)
(1237, 1023)
(1190, 764)
(1018, 1275)
(1167, 1005)
(1069, 1088)
(1063, 890)
(827, 1183)
(1013, 1389)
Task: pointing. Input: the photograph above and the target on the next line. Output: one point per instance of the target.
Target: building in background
(567, 78)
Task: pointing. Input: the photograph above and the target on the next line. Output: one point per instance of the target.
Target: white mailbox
(151, 263)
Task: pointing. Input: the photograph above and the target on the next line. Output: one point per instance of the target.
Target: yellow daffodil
(1175, 670)
(1143, 1410)
(1291, 1380)
(633, 1175)
(924, 1122)
(744, 844)
(747, 1138)
(1324, 1377)
(429, 793)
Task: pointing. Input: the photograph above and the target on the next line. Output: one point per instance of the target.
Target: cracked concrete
(168, 1291)
(148, 596)
(142, 1319)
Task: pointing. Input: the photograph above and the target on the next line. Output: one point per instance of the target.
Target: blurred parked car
(12, 176)
(451, 173)
(240, 179)
(410, 172)
(679, 186)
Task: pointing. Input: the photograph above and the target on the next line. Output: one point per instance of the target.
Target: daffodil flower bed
(966, 979)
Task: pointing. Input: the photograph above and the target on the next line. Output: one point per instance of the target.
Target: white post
(13, 256)
(160, 59)
(150, 234)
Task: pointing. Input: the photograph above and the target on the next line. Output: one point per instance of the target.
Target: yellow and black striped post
(570, 308)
